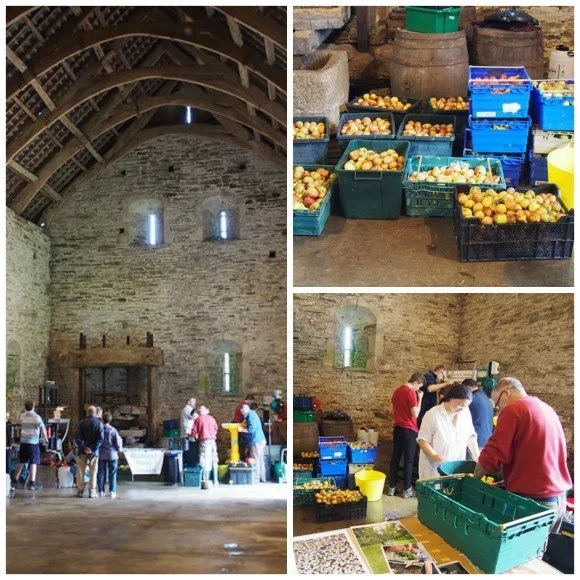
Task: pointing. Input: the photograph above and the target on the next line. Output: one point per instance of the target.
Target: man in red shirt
(205, 429)
(238, 415)
(529, 445)
(404, 408)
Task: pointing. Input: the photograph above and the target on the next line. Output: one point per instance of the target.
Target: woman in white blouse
(447, 432)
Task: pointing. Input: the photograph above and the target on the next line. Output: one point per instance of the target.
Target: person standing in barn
(256, 441)
(205, 429)
(529, 446)
(434, 382)
(238, 415)
(188, 416)
(89, 437)
(481, 410)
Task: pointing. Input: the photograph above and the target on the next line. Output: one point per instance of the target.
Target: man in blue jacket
(481, 410)
(256, 441)
(89, 437)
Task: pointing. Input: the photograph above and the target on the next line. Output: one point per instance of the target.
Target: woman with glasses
(447, 432)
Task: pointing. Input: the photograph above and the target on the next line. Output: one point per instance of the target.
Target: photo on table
(433, 146)
(436, 428)
(146, 288)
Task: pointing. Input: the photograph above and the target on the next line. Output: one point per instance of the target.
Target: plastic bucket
(371, 483)
(561, 172)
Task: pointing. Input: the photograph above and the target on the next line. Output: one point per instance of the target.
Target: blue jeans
(110, 466)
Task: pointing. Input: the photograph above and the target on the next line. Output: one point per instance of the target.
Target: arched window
(13, 367)
(355, 338)
(225, 366)
(220, 219)
(146, 227)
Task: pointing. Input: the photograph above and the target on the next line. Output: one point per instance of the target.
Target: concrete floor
(408, 252)
(149, 529)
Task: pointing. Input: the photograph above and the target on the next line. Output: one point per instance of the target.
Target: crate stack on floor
(305, 438)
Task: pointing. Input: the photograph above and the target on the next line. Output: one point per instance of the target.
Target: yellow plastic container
(371, 483)
(222, 471)
(561, 172)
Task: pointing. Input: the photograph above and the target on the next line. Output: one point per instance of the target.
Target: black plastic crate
(537, 241)
(303, 403)
(339, 512)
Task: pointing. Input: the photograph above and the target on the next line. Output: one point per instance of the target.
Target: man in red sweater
(205, 430)
(404, 408)
(238, 415)
(529, 446)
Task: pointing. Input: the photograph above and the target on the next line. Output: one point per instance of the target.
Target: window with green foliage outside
(225, 367)
(355, 338)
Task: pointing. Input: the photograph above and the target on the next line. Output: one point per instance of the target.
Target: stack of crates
(361, 455)
(332, 459)
(303, 409)
(499, 120)
(171, 429)
(553, 117)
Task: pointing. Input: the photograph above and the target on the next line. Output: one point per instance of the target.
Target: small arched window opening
(13, 367)
(355, 338)
(225, 366)
(146, 224)
(220, 219)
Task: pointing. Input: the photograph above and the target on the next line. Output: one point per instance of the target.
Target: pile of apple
(311, 187)
(361, 445)
(451, 104)
(302, 466)
(490, 79)
(364, 159)
(309, 454)
(456, 172)
(510, 206)
(338, 496)
(418, 129)
(315, 485)
(559, 90)
(366, 126)
(386, 102)
(309, 130)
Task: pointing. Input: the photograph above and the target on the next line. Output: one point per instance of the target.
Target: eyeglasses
(496, 403)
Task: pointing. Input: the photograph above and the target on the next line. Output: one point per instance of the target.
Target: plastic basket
(192, 477)
(332, 447)
(356, 467)
(305, 497)
(171, 434)
(436, 199)
(487, 138)
(487, 104)
(344, 511)
(550, 113)
(438, 146)
(242, 475)
(371, 483)
(462, 467)
(460, 124)
(344, 140)
(352, 107)
(432, 20)
(341, 481)
(538, 169)
(311, 223)
(170, 425)
(495, 529)
(304, 416)
(362, 456)
(311, 150)
(333, 467)
(302, 402)
(536, 241)
(371, 194)
(544, 142)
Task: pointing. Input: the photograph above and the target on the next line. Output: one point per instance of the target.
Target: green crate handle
(359, 174)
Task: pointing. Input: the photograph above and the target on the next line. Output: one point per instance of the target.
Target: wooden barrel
(429, 65)
(341, 428)
(305, 437)
(492, 47)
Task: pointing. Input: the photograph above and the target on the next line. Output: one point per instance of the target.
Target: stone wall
(188, 293)
(415, 332)
(532, 337)
(27, 308)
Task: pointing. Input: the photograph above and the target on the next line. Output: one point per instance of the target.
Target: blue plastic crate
(192, 477)
(170, 425)
(487, 104)
(362, 456)
(487, 139)
(435, 146)
(538, 169)
(550, 113)
(311, 150)
(332, 448)
(303, 403)
(344, 140)
(311, 223)
(341, 481)
(333, 467)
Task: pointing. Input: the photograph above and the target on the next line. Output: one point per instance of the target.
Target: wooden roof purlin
(86, 85)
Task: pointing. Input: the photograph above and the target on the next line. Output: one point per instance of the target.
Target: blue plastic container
(170, 425)
(341, 481)
(487, 104)
(362, 456)
(192, 477)
(333, 467)
(487, 139)
(434, 146)
(331, 448)
(311, 223)
(550, 113)
(311, 150)
(538, 169)
(344, 140)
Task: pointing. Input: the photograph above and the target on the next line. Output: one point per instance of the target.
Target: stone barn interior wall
(27, 310)
(189, 292)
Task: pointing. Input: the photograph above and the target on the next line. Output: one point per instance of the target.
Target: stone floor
(408, 252)
(149, 529)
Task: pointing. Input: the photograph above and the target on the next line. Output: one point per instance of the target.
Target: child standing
(109, 457)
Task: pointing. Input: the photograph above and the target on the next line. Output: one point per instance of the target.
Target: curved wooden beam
(182, 98)
(213, 39)
(260, 24)
(214, 132)
(90, 87)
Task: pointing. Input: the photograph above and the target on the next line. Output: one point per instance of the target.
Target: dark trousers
(107, 466)
(404, 445)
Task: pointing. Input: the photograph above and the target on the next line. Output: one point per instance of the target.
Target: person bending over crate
(529, 446)
(205, 429)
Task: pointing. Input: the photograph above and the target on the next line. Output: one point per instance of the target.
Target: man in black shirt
(434, 382)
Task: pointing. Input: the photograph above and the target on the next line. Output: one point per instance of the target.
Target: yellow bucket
(371, 483)
(561, 172)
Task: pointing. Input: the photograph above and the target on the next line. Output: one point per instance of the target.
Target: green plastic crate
(172, 434)
(371, 194)
(192, 476)
(432, 20)
(305, 497)
(304, 416)
(425, 199)
(495, 529)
